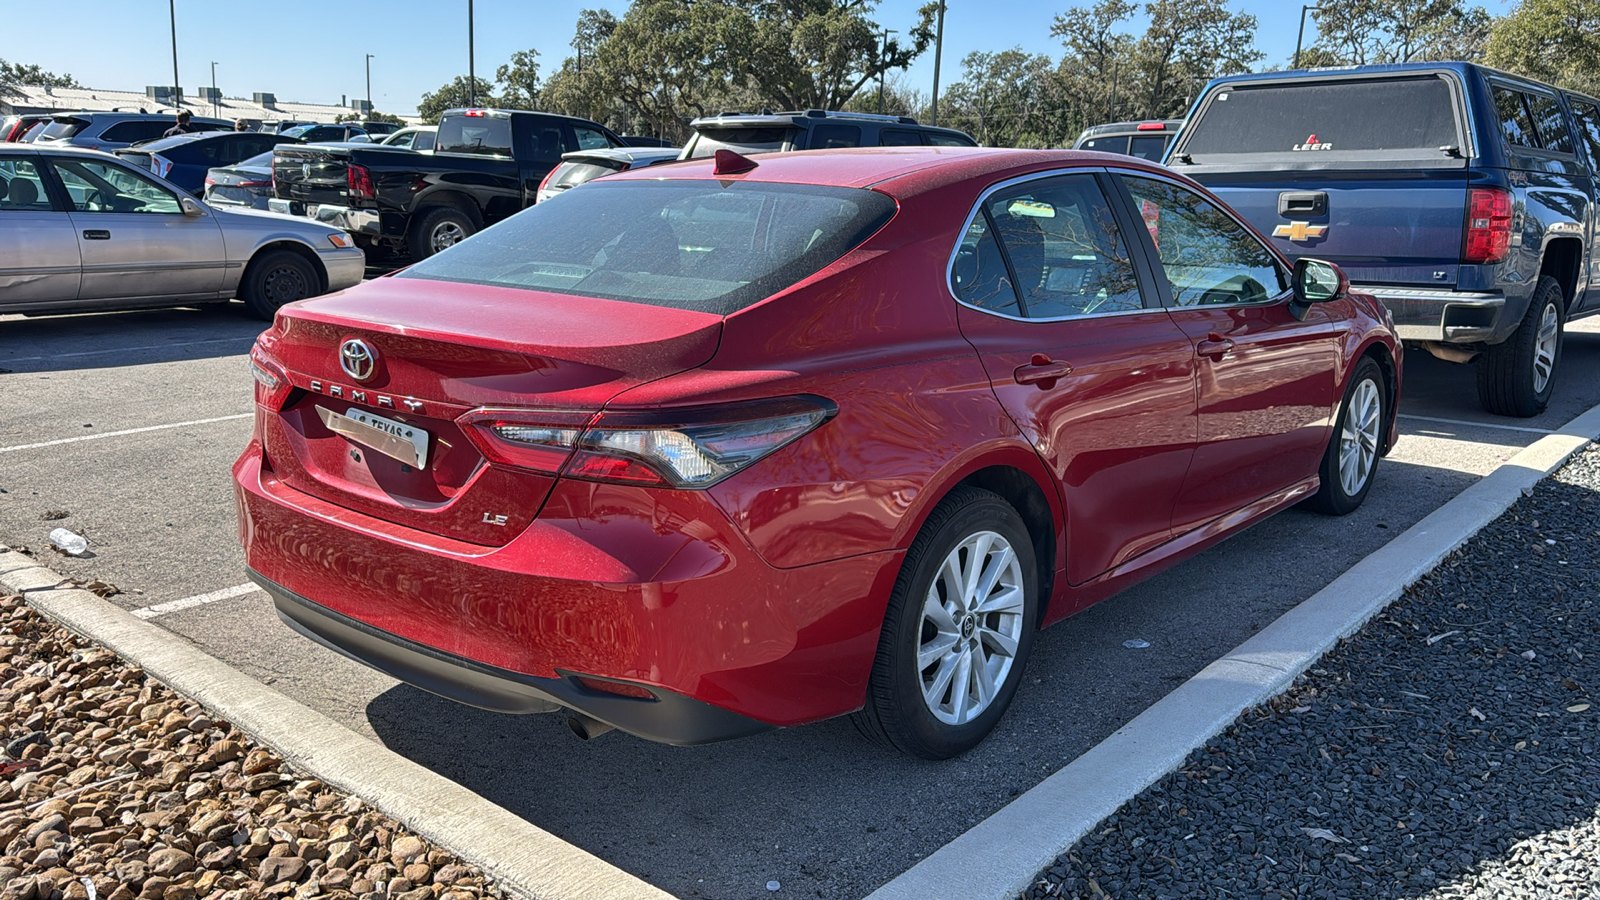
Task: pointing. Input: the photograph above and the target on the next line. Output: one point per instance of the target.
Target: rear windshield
(1321, 121)
(698, 245)
(569, 174)
(741, 140)
(63, 128)
(486, 135)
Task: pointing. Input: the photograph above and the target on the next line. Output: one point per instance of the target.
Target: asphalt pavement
(122, 427)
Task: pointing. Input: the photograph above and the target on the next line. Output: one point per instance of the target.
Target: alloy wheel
(1544, 347)
(972, 620)
(446, 235)
(1358, 438)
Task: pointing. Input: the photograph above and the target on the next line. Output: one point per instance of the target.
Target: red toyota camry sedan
(745, 443)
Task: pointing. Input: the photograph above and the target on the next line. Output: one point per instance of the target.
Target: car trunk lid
(440, 350)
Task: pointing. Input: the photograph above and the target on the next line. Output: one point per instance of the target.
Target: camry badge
(357, 359)
(1300, 231)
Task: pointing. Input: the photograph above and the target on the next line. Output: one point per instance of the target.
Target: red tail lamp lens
(1488, 237)
(272, 383)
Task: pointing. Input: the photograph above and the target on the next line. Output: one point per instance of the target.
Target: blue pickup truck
(1461, 196)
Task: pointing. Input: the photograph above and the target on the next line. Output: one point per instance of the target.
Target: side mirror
(191, 206)
(1317, 281)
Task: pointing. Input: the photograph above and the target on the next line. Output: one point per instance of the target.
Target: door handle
(1215, 346)
(1042, 371)
(96, 234)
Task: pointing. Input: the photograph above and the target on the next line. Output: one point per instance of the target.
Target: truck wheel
(957, 631)
(1517, 376)
(279, 277)
(1351, 461)
(438, 229)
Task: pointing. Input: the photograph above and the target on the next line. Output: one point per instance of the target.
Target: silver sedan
(83, 231)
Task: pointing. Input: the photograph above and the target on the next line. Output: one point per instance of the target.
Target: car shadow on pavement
(822, 811)
(139, 337)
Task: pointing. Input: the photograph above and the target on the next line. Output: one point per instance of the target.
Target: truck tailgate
(1394, 227)
(311, 173)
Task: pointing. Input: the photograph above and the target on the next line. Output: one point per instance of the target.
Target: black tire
(1508, 372)
(1334, 496)
(276, 278)
(896, 713)
(435, 229)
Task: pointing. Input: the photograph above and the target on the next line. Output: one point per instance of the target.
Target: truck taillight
(1488, 236)
(359, 180)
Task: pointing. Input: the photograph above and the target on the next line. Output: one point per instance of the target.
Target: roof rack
(137, 109)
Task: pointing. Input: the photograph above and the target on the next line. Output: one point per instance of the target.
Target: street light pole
(938, 51)
(213, 87)
(172, 9)
(1302, 38)
(883, 69)
(369, 84)
(472, 74)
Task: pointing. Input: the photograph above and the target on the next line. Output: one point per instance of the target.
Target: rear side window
(697, 245)
(57, 129)
(424, 141)
(828, 137)
(1151, 147)
(1550, 123)
(485, 135)
(1516, 126)
(20, 187)
(1112, 144)
(899, 137)
(545, 142)
(1589, 130)
(135, 131)
(948, 139)
(979, 276)
(1309, 121)
(741, 140)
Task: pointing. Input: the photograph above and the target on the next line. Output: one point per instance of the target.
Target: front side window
(1589, 130)
(134, 131)
(831, 137)
(106, 187)
(20, 187)
(1515, 124)
(1550, 123)
(1062, 247)
(424, 141)
(484, 135)
(589, 139)
(1208, 258)
(403, 140)
(692, 244)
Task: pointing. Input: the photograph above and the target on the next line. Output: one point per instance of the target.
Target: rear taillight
(359, 180)
(686, 448)
(251, 184)
(546, 182)
(1488, 225)
(272, 383)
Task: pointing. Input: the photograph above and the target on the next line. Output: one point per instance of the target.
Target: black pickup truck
(1462, 197)
(486, 166)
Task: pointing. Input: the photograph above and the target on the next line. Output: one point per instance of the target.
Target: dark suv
(1146, 140)
(814, 129)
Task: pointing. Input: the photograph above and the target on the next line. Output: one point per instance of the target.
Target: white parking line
(107, 434)
(232, 340)
(1476, 424)
(161, 609)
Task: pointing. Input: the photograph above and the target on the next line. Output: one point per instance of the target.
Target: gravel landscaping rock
(112, 787)
(1447, 750)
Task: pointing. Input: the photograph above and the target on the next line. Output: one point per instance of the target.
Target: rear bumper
(1450, 317)
(355, 221)
(669, 718)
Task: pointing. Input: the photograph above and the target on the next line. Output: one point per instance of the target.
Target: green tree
(1092, 70)
(1552, 40)
(14, 76)
(1003, 99)
(1189, 42)
(1368, 32)
(817, 54)
(373, 116)
(454, 95)
(520, 80)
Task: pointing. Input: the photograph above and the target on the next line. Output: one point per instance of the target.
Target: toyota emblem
(357, 359)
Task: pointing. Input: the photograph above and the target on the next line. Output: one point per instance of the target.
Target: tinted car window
(1589, 130)
(1551, 124)
(1515, 125)
(1305, 118)
(486, 135)
(826, 137)
(56, 129)
(546, 141)
(1113, 144)
(1208, 258)
(134, 131)
(682, 244)
(979, 275)
(1151, 147)
(589, 139)
(423, 141)
(1065, 253)
(741, 140)
(899, 137)
(947, 139)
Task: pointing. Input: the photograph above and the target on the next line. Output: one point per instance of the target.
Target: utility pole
(214, 95)
(938, 51)
(883, 69)
(472, 73)
(1302, 39)
(369, 84)
(177, 92)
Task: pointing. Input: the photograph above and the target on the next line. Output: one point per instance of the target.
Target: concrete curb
(998, 857)
(522, 859)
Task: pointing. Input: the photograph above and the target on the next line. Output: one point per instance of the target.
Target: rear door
(1266, 379)
(134, 237)
(1083, 358)
(39, 260)
(1587, 116)
(1368, 172)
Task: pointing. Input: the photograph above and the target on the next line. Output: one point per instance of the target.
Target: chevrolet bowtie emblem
(1300, 231)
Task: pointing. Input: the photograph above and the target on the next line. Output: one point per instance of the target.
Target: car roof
(123, 114)
(57, 149)
(898, 171)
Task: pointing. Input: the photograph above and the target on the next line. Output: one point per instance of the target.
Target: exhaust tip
(586, 728)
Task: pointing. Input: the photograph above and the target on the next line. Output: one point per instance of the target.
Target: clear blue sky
(315, 51)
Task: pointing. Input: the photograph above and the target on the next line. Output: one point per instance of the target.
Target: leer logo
(1312, 144)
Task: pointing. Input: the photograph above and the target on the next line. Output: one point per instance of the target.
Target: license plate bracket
(394, 439)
